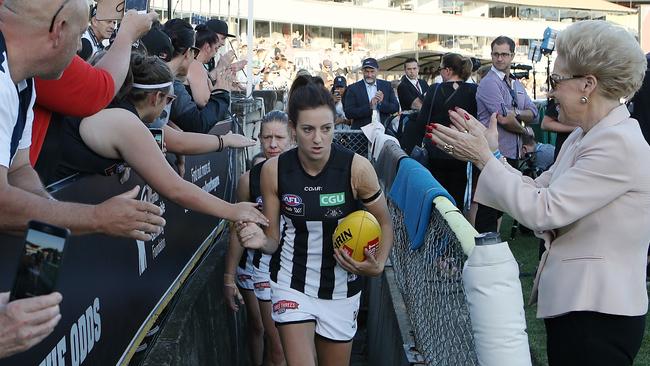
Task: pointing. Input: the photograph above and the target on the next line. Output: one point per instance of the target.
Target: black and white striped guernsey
(260, 260)
(312, 207)
(253, 257)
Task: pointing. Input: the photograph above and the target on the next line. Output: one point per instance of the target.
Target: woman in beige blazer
(592, 207)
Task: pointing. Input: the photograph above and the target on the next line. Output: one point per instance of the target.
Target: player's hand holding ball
(356, 241)
(369, 267)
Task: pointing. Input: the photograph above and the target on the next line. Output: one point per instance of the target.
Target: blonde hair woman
(592, 207)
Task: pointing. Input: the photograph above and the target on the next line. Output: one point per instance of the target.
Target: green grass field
(525, 249)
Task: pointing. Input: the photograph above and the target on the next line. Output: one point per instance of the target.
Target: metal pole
(249, 56)
(169, 9)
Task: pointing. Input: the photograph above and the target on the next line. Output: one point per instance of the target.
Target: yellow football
(357, 231)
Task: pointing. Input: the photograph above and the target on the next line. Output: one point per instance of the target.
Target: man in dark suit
(368, 94)
(411, 90)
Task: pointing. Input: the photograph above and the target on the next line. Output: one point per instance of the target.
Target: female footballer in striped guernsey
(253, 269)
(315, 289)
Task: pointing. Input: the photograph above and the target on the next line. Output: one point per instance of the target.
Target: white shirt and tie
(372, 90)
(416, 84)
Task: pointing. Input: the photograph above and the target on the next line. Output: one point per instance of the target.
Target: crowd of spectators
(60, 115)
(276, 65)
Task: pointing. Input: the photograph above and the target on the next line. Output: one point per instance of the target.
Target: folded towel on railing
(413, 191)
(375, 132)
(372, 130)
(387, 164)
(378, 144)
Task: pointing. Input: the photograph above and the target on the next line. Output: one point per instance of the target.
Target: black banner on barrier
(111, 286)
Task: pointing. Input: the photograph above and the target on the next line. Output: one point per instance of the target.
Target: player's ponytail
(305, 94)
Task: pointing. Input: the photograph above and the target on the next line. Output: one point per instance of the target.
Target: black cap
(370, 62)
(340, 81)
(218, 26)
(158, 44)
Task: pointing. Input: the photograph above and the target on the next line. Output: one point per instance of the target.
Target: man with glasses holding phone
(499, 92)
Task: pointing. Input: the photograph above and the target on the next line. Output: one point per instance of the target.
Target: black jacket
(357, 106)
(406, 92)
(190, 118)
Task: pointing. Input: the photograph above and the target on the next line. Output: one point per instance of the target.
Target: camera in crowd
(476, 63)
(528, 166)
(524, 72)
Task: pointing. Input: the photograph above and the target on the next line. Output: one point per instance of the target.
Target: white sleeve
(26, 139)
(7, 121)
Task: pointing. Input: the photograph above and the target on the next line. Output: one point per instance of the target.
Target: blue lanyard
(513, 94)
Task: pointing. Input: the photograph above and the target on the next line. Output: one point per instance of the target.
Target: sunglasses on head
(56, 14)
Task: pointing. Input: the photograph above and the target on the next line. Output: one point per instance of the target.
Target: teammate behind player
(252, 272)
(315, 291)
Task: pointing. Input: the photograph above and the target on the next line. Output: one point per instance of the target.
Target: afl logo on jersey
(292, 205)
(292, 200)
(260, 205)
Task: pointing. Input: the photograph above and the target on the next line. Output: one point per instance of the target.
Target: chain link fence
(354, 140)
(430, 280)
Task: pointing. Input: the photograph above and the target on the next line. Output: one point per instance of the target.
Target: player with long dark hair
(315, 289)
(246, 277)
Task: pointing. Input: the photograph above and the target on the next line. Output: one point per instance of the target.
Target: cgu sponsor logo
(262, 285)
(291, 200)
(281, 306)
(333, 199)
